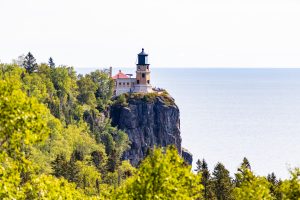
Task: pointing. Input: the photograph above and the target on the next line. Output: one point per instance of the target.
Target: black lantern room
(143, 58)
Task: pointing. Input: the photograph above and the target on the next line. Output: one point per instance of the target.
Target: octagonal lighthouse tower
(142, 74)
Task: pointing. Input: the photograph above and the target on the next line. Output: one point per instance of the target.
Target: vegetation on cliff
(56, 142)
(163, 96)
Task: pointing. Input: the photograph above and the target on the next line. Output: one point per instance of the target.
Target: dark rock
(187, 156)
(147, 124)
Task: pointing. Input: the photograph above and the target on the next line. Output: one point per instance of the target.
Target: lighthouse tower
(142, 74)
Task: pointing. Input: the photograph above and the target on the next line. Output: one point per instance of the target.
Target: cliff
(149, 120)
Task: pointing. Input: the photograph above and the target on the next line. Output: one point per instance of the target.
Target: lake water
(228, 114)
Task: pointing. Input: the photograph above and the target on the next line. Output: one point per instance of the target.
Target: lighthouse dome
(143, 53)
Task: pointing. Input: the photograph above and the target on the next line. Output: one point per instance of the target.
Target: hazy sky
(187, 33)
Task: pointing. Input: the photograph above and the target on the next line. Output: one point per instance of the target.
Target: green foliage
(23, 122)
(87, 89)
(30, 64)
(57, 143)
(34, 86)
(206, 181)
(105, 88)
(121, 100)
(274, 186)
(222, 183)
(115, 142)
(146, 97)
(11, 72)
(162, 175)
(49, 187)
(290, 189)
(64, 81)
(251, 186)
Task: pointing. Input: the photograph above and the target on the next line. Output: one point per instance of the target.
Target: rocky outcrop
(148, 122)
(187, 156)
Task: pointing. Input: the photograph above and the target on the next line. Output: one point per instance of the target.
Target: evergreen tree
(222, 183)
(206, 178)
(274, 185)
(246, 163)
(198, 166)
(30, 63)
(60, 166)
(77, 155)
(241, 170)
(73, 171)
(51, 63)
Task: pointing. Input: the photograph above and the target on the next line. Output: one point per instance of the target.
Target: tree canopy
(57, 142)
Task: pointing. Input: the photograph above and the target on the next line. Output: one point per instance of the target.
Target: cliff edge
(149, 120)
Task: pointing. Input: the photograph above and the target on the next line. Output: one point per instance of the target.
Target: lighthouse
(143, 83)
(124, 83)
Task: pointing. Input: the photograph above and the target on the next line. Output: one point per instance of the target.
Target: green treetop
(30, 63)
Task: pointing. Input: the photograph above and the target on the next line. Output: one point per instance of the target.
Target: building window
(147, 67)
(148, 81)
(143, 75)
(123, 83)
(137, 81)
(127, 84)
(120, 83)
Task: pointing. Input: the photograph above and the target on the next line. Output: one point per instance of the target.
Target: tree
(30, 63)
(251, 186)
(290, 188)
(87, 89)
(60, 166)
(104, 90)
(162, 175)
(222, 183)
(246, 163)
(274, 185)
(51, 63)
(23, 122)
(201, 167)
(49, 187)
(64, 82)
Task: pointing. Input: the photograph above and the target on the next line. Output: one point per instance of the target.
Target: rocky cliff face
(148, 123)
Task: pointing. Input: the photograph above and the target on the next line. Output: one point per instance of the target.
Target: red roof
(120, 75)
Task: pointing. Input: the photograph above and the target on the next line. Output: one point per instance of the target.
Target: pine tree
(198, 166)
(60, 166)
(51, 63)
(30, 63)
(222, 183)
(274, 185)
(77, 155)
(246, 163)
(73, 171)
(202, 168)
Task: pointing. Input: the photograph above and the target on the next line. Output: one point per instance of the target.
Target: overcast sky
(186, 33)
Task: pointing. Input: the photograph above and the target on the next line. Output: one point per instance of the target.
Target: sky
(175, 33)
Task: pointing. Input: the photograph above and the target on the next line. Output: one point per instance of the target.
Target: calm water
(228, 114)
